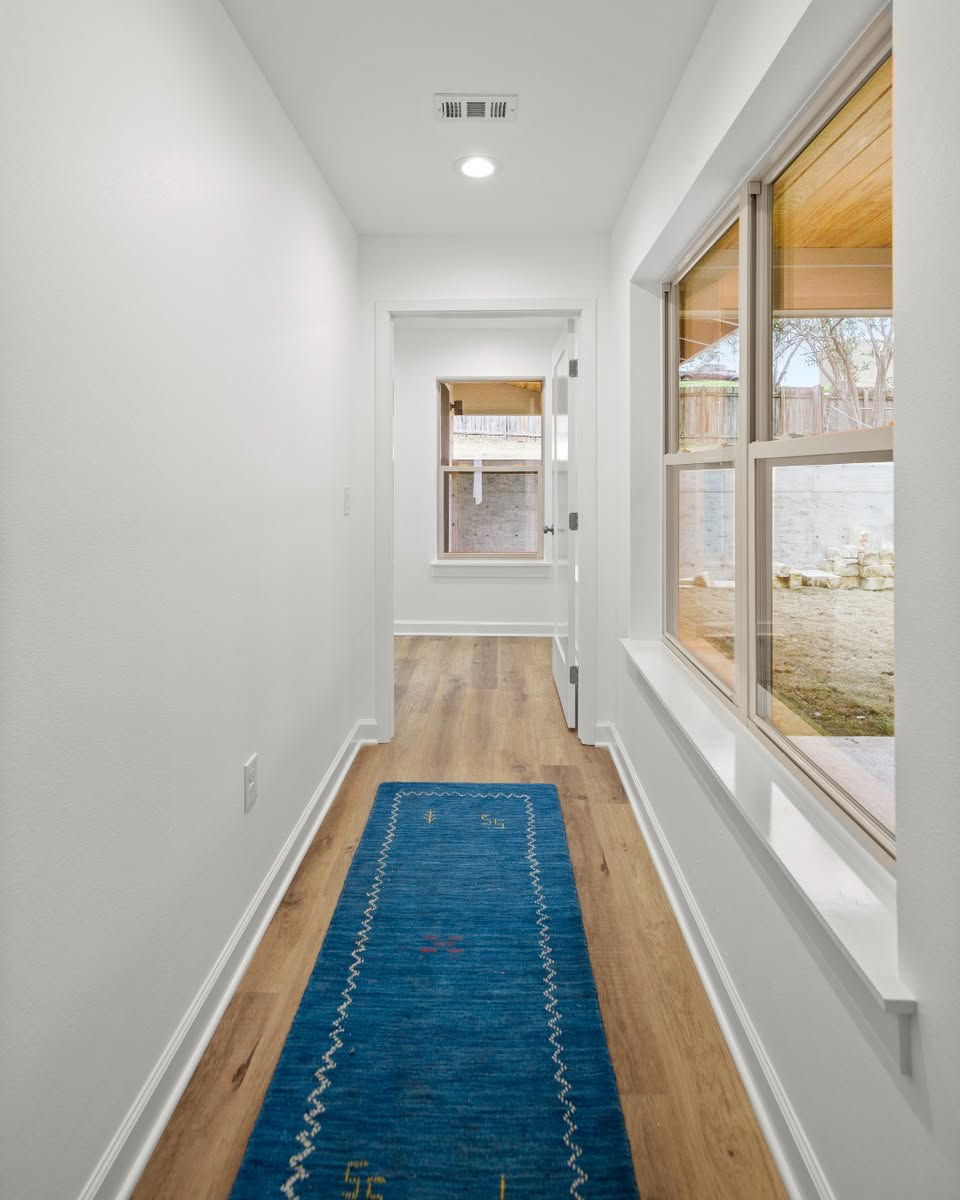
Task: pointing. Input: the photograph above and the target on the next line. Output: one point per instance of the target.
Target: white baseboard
(473, 629)
(802, 1174)
(124, 1159)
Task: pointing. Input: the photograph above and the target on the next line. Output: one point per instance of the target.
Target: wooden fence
(798, 411)
(498, 426)
(708, 415)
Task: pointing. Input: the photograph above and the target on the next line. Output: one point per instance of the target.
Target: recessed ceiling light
(477, 166)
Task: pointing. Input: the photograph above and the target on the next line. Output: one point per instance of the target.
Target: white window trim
(846, 889)
(536, 557)
(490, 568)
(752, 206)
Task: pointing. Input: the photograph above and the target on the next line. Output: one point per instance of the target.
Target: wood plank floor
(486, 709)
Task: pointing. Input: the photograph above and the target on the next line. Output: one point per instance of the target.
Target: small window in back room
(491, 469)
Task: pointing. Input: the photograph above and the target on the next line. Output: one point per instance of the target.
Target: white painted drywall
(927, 519)
(177, 322)
(868, 1130)
(424, 597)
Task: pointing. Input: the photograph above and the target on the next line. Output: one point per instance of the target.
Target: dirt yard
(832, 653)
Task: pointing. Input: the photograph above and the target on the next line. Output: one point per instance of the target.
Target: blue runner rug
(449, 1042)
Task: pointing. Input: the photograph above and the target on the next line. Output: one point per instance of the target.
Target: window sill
(490, 568)
(851, 897)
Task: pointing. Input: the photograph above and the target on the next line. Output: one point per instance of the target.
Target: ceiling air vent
(451, 107)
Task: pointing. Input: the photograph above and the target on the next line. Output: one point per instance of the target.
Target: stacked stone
(871, 570)
(842, 567)
(845, 562)
(785, 576)
(876, 569)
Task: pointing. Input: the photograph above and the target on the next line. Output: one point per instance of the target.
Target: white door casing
(385, 313)
(565, 573)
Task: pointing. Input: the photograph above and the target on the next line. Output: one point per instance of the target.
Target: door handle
(548, 529)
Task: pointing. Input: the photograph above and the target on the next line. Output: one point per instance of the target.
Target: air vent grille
(453, 107)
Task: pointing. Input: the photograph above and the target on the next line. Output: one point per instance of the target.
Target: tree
(879, 333)
(788, 337)
(836, 346)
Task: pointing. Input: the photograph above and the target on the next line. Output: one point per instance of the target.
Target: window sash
(528, 467)
(761, 487)
(671, 630)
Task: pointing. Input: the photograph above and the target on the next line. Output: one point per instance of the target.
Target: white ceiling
(357, 78)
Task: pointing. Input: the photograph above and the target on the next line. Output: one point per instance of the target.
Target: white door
(565, 540)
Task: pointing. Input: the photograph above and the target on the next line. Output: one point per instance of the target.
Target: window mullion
(671, 494)
(671, 554)
(743, 547)
(762, 426)
(671, 360)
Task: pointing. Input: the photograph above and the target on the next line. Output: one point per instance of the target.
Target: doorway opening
(485, 441)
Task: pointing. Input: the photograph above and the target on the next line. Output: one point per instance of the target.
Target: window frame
(675, 460)
(756, 450)
(509, 467)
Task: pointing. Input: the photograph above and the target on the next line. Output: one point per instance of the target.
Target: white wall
(177, 324)
(866, 1130)
(424, 597)
(927, 249)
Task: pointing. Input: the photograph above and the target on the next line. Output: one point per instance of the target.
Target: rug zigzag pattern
(312, 1116)
(550, 991)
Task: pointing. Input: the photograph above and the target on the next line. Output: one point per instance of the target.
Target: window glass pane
(828, 662)
(833, 272)
(705, 608)
(491, 512)
(496, 437)
(710, 347)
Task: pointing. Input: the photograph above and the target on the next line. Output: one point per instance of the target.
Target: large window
(491, 469)
(779, 458)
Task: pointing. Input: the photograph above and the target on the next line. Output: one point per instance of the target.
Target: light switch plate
(251, 782)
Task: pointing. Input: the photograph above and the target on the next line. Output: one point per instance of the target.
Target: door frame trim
(385, 313)
(559, 356)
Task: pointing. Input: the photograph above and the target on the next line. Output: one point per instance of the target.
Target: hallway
(442, 393)
(486, 709)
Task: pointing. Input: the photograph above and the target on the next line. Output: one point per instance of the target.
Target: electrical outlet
(346, 502)
(251, 780)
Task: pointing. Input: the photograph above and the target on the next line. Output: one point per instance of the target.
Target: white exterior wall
(819, 507)
(860, 1128)
(814, 508)
(425, 599)
(177, 323)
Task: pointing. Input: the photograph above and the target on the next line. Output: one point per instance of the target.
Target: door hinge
(574, 368)
(574, 675)
(573, 522)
